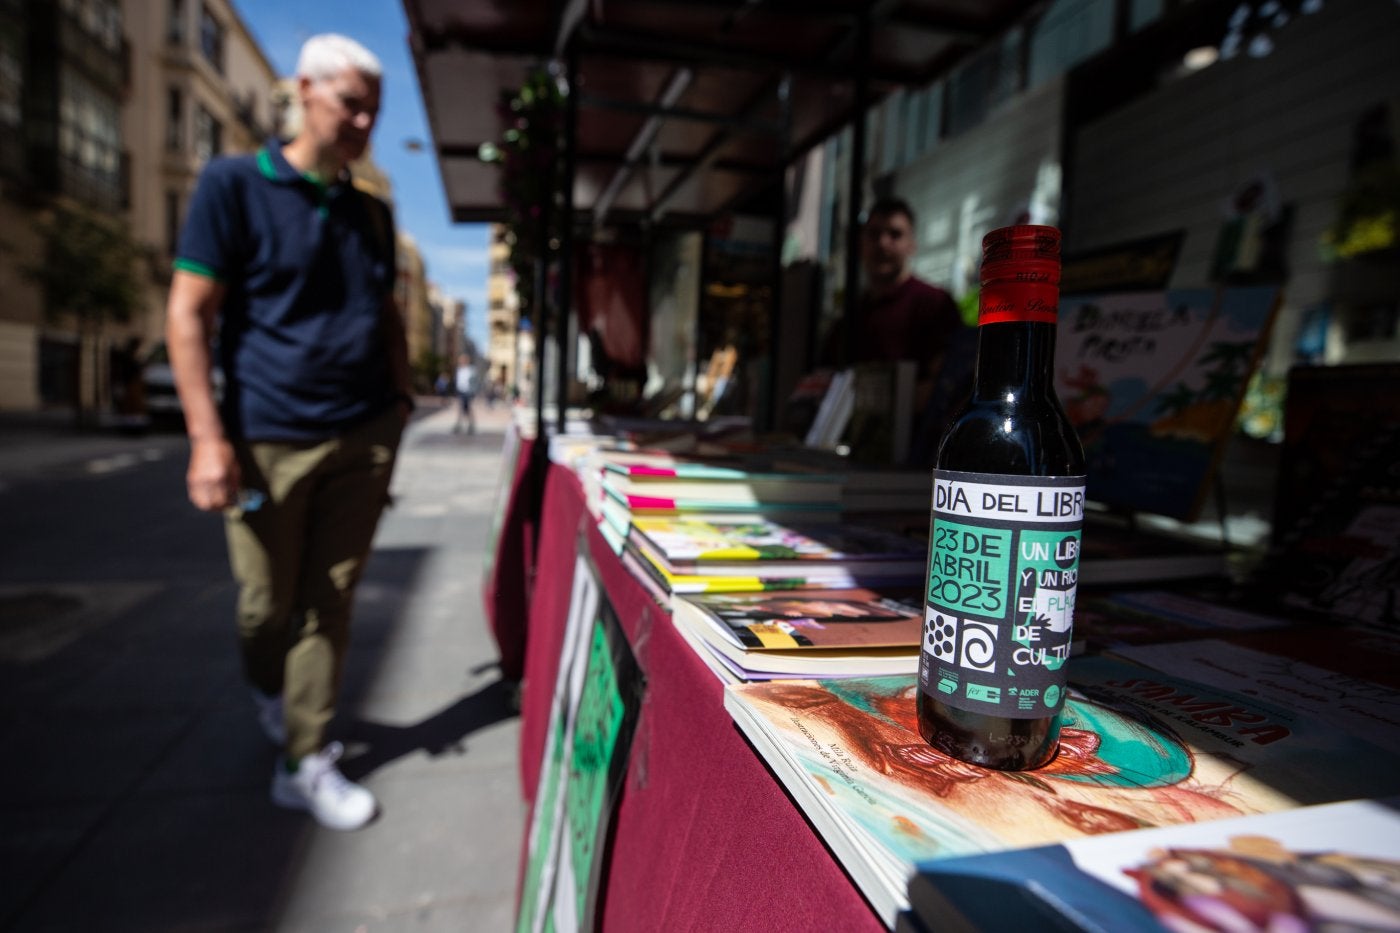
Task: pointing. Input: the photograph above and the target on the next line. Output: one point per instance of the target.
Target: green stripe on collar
(197, 268)
(265, 165)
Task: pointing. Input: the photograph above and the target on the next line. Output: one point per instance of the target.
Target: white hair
(327, 55)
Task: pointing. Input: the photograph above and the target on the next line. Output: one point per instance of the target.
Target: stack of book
(757, 553)
(803, 633)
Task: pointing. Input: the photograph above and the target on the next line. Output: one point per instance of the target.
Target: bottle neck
(1015, 341)
(1016, 357)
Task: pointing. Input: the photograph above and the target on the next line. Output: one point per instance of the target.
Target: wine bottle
(1007, 515)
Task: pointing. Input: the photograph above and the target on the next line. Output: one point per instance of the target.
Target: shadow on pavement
(442, 733)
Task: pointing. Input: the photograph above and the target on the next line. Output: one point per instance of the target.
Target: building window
(208, 135)
(175, 28)
(175, 121)
(89, 127)
(211, 38)
(101, 19)
(172, 221)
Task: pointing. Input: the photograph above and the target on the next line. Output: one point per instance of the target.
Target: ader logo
(1067, 552)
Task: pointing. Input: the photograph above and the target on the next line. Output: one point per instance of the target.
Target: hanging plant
(530, 180)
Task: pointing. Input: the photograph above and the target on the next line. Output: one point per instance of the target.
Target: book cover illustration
(1327, 867)
(1152, 382)
(811, 634)
(817, 620)
(1138, 749)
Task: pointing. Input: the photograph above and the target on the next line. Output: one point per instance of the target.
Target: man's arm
(213, 476)
(396, 345)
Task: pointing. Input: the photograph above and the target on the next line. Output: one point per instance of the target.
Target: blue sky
(456, 254)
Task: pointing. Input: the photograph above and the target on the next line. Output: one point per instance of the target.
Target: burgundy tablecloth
(505, 590)
(705, 836)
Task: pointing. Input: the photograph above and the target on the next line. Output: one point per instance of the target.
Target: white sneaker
(271, 717)
(318, 786)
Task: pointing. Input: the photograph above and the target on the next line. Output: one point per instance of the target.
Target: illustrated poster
(1152, 382)
(596, 703)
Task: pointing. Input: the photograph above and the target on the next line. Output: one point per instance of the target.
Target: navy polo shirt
(308, 268)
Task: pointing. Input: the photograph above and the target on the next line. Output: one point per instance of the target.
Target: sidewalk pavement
(136, 779)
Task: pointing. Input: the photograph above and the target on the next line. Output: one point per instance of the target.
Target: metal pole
(768, 417)
(565, 300)
(856, 179)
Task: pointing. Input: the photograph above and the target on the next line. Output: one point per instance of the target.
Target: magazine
(1138, 748)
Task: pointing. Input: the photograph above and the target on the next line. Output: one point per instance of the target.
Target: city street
(134, 794)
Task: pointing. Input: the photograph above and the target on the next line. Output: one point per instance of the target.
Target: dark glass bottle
(1008, 511)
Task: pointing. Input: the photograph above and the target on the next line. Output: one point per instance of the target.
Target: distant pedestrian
(467, 380)
(292, 267)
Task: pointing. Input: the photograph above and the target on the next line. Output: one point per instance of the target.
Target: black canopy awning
(685, 107)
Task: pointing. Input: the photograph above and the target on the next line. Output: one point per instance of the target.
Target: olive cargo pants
(297, 556)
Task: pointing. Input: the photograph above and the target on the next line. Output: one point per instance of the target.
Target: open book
(1138, 748)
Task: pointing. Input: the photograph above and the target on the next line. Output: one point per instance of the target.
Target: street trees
(87, 274)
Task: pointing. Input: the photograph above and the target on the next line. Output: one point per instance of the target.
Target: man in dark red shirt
(901, 317)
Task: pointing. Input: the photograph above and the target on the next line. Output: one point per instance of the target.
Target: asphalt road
(134, 792)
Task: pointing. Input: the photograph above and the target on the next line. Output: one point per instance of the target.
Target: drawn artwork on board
(597, 701)
(1152, 382)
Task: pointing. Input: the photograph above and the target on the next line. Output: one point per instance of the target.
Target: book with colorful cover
(1138, 748)
(662, 465)
(760, 577)
(1152, 382)
(1333, 866)
(805, 634)
(717, 495)
(683, 543)
(617, 516)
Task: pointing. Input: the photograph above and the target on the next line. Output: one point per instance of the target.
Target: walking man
(466, 380)
(285, 269)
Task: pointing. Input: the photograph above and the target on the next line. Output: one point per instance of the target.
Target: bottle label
(1003, 569)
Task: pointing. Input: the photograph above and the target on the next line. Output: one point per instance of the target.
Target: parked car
(162, 402)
